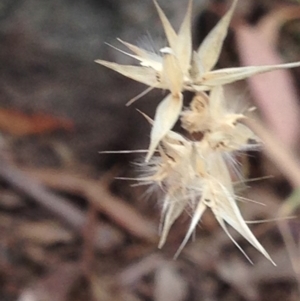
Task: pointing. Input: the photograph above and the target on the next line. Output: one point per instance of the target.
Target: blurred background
(68, 230)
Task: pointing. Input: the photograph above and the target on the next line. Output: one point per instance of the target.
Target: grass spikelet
(193, 173)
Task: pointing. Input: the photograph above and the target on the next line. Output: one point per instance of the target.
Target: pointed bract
(169, 31)
(184, 41)
(143, 75)
(172, 74)
(165, 118)
(225, 208)
(229, 75)
(210, 49)
(175, 208)
(197, 214)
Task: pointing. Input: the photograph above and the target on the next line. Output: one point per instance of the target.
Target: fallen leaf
(274, 92)
(20, 124)
(45, 233)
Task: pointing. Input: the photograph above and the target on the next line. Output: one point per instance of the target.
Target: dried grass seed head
(181, 69)
(193, 173)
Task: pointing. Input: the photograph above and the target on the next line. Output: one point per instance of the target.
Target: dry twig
(120, 212)
(57, 205)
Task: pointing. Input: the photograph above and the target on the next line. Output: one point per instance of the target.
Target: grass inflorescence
(193, 172)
